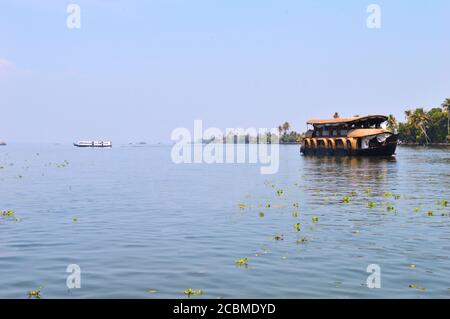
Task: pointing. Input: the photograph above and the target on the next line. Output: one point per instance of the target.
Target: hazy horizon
(135, 71)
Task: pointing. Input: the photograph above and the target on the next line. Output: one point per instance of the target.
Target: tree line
(423, 127)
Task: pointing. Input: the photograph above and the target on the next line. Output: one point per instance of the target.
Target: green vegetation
(424, 127)
(346, 200)
(242, 262)
(35, 293)
(287, 136)
(191, 292)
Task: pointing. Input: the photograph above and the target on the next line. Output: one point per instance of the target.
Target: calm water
(145, 223)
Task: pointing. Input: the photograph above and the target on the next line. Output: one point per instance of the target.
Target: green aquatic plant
(387, 194)
(346, 200)
(430, 213)
(297, 226)
(315, 219)
(296, 205)
(389, 207)
(152, 291)
(397, 197)
(191, 292)
(354, 193)
(35, 293)
(302, 240)
(295, 214)
(8, 213)
(414, 286)
(74, 219)
(268, 205)
(261, 214)
(278, 237)
(443, 203)
(242, 206)
(371, 204)
(242, 261)
(416, 210)
(280, 192)
(412, 266)
(368, 191)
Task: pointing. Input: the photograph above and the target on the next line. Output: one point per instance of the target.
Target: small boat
(2, 143)
(356, 136)
(93, 144)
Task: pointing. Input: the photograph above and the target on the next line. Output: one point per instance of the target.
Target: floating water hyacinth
(430, 213)
(242, 261)
(315, 219)
(387, 194)
(346, 200)
(279, 192)
(191, 292)
(296, 205)
(295, 214)
(261, 214)
(367, 191)
(8, 213)
(414, 286)
(389, 207)
(297, 226)
(35, 293)
(416, 210)
(443, 203)
(397, 196)
(267, 205)
(302, 240)
(278, 237)
(74, 219)
(371, 204)
(354, 193)
(242, 206)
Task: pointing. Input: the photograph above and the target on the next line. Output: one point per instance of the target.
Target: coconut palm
(419, 120)
(392, 123)
(286, 127)
(446, 107)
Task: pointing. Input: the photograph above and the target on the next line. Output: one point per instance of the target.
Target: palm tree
(419, 120)
(336, 115)
(280, 129)
(446, 107)
(392, 123)
(286, 127)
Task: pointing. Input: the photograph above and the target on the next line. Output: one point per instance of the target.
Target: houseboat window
(344, 132)
(334, 133)
(326, 132)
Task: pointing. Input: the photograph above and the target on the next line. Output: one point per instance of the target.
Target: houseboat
(356, 136)
(93, 144)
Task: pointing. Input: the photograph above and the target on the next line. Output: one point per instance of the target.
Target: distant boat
(2, 143)
(93, 144)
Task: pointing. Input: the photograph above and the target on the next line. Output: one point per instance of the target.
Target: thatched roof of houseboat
(373, 119)
(361, 132)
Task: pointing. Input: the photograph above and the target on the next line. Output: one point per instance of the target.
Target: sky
(136, 70)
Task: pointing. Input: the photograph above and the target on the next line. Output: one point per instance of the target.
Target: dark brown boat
(356, 136)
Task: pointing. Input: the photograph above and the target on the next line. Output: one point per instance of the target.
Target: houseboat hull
(385, 150)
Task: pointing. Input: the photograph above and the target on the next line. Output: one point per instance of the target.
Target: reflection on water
(134, 221)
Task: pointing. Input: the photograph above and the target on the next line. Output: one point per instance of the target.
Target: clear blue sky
(138, 69)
